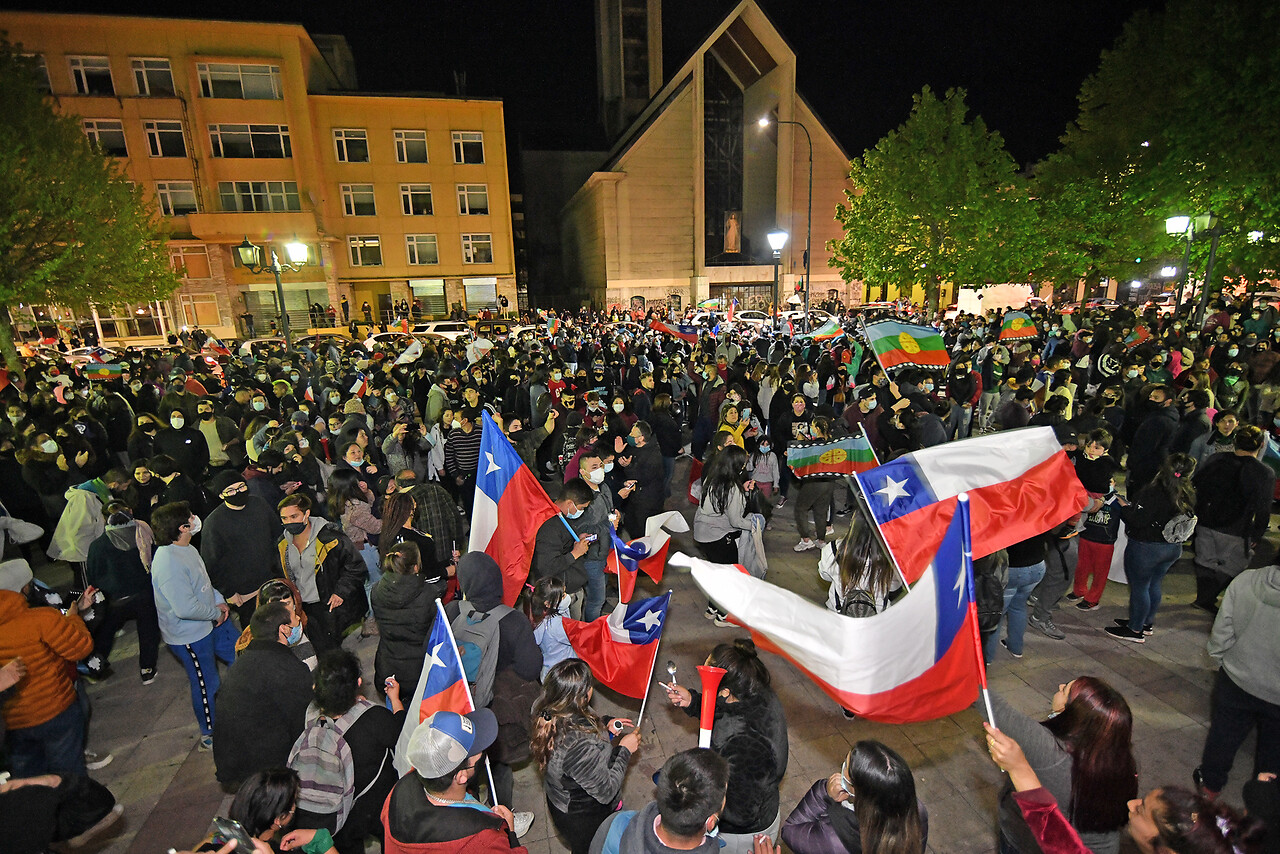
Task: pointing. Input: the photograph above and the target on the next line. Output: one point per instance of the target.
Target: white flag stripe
(866, 655)
(484, 521)
(987, 460)
(656, 529)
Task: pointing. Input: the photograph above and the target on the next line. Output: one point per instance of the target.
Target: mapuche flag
(849, 455)
(1017, 325)
(827, 331)
(896, 343)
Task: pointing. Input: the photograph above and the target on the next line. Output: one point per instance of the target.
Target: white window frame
(191, 314)
(275, 196)
(42, 66)
(179, 254)
(216, 131)
(358, 242)
(471, 243)
(408, 191)
(93, 129)
(210, 73)
(156, 135)
(166, 196)
(141, 67)
(340, 138)
(350, 201)
(80, 69)
(415, 244)
(463, 138)
(465, 192)
(403, 138)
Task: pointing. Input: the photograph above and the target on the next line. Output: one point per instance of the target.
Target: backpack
(1180, 528)
(322, 758)
(856, 602)
(481, 629)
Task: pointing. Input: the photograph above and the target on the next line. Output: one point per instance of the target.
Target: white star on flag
(492, 465)
(434, 658)
(650, 619)
(960, 586)
(893, 490)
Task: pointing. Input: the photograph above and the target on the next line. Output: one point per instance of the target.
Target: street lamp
(251, 258)
(777, 239)
(808, 238)
(1195, 228)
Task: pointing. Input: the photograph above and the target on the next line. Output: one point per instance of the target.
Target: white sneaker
(94, 761)
(805, 544)
(524, 821)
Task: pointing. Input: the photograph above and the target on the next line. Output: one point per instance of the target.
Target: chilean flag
(681, 331)
(441, 687)
(647, 554)
(621, 647)
(914, 661)
(506, 489)
(361, 385)
(1019, 482)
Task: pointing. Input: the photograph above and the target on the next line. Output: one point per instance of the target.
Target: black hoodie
(481, 583)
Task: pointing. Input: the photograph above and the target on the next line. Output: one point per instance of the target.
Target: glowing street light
(777, 239)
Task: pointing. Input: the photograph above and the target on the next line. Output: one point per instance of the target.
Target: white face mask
(608, 467)
(596, 477)
(618, 407)
(195, 524)
(177, 423)
(456, 424)
(49, 446)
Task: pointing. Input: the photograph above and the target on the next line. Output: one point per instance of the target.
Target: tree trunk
(11, 358)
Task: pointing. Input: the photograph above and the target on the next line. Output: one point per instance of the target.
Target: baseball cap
(15, 575)
(440, 744)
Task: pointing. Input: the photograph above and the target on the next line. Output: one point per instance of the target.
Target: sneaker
(782, 500)
(523, 821)
(1125, 633)
(96, 667)
(1148, 630)
(804, 545)
(148, 675)
(1071, 597)
(206, 743)
(1198, 779)
(1005, 643)
(721, 619)
(848, 715)
(711, 613)
(103, 824)
(1086, 605)
(1047, 628)
(94, 761)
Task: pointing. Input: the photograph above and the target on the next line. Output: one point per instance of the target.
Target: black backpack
(856, 602)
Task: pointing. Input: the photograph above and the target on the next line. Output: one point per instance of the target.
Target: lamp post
(1195, 228)
(1181, 225)
(808, 237)
(251, 258)
(777, 239)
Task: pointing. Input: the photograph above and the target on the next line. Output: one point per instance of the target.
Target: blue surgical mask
(608, 467)
(764, 449)
(295, 635)
(356, 463)
(575, 514)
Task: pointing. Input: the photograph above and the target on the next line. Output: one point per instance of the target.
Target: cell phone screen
(226, 829)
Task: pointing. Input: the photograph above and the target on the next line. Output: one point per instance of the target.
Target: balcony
(223, 227)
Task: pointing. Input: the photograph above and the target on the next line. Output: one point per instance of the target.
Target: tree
(937, 200)
(72, 228)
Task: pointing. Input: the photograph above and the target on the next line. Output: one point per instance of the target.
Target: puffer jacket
(405, 608)
(49, 642)
(584, 769)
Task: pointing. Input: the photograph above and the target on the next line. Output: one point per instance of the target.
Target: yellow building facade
(258, 130)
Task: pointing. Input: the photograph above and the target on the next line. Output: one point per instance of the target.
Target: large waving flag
(914, 661)
(621, 647)
(680, 330)
(647, 554)
(441, 687)
(360, 387)
(1019, 482)
(849, 455)
(827, 331)
(896, 343)
(1017, 325)
(506, 489)
(1136, 337)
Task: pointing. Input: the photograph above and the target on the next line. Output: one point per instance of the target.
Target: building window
(411, 146)
(108, 135)
(415, 199)
(153, 77)
(366, 250)
(473, 199)
(91, 75)
(422, 248)
(468, 146)
(41, 70)
(482, 293)
(201, 310)
(190, 262)
(247, 82)
(257, 196)
(165, 139)
(258, 141)
(351, 144)
(357, 200)
(477, 248)
(177, 198)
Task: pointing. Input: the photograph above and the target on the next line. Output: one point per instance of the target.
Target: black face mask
(295, 528)
(206, 415)
(237, 501)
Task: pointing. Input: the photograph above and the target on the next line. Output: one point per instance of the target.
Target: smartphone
(591, 538)
(226, 829)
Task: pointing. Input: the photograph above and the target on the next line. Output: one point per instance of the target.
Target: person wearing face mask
(558, 551)
(711, 394)
(1152, 439)
(327, 569)
(263, 699)
(461, 456)
(192, 614)
(238, 543)
(1232, 390)
(185, 444)
(226, 445)
(595, 523)
(177, 486)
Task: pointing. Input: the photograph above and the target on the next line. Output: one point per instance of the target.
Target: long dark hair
(1096, 727)
(344, 486)
(563, 705)
(397, 511)
(1189, 823)
(745, 676)
(724, 473)
(884, 794)
(1174, 478)
(862, 561)
(263, 798)
(544, 599)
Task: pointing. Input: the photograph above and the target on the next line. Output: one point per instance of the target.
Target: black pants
(1234, 711)
(580, 826)
(140, 608)
(322, 627)
(723, 550)
(1209, 586)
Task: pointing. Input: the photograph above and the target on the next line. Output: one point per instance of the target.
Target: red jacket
(414, 825)
(1048, 825)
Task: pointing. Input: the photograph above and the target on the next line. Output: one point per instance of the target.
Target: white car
(386, 338)
(449, 329)
(751, 317)
(817, 317)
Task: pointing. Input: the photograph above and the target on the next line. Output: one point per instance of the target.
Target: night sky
(860, 61)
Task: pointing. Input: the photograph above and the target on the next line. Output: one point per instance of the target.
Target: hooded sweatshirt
(1244, 639)
(638, 837)
(481, 583)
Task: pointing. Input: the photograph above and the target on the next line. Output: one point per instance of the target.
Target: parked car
(451, 330)
(1162, 303)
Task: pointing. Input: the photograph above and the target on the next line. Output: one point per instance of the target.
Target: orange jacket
(48, 642)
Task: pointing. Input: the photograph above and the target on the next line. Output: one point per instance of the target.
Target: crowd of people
(255, 508)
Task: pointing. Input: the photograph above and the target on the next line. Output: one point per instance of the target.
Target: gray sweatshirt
(1245, 640)
(186, 603)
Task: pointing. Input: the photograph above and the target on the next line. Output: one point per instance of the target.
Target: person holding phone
(599, 519)
(560, 552)
(261, 815)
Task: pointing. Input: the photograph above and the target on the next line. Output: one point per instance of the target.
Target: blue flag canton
(444, 667)
(951, 581)
(895, 489)
(644, 618)
(629, 553)
(498, 463)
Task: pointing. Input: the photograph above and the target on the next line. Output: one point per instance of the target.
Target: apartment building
(259, 130)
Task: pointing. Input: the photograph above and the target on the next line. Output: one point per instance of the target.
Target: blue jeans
(1017, 590)
(374, 564)
(1145, 564)
(53, 747)
(594, 603)
(200, 659)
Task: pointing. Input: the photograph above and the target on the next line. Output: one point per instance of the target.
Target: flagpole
(966, 548)
(466, 686)
(652, 664)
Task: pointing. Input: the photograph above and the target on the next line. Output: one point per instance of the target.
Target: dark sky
(859, 60)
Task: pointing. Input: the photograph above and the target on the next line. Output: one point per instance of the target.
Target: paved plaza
(169, 793)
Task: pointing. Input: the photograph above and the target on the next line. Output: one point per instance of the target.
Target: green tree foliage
(937, 200)
(72, 228)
